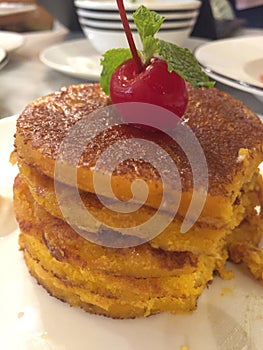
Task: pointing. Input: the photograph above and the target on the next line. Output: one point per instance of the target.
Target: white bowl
(103, 40)
(105, 30)
(156, 5)
(118, 24)
(100, 15)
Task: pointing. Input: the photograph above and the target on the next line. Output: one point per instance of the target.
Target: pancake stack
(168, 272)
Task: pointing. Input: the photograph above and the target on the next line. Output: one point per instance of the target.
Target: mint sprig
(182, 61)
(179, 60)
(147, 22)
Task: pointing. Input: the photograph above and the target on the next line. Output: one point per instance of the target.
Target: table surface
(25, 77)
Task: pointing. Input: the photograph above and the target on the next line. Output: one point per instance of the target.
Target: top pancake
(228, 132)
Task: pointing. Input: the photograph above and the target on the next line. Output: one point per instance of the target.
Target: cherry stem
(127, 29)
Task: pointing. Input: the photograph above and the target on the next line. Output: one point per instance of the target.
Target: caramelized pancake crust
(218, 121)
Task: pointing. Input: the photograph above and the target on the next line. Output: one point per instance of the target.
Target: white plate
(3, 58)
(7, 8)
(131, 5)
(2, 54)
(95, 23)
(76, 58)
(10, 41)
(228, 317)
(116, 15)
(237, 62)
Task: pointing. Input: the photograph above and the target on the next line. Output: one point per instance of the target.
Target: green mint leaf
(111, 60)
(147, 22)
(183, 62)
(151, 47)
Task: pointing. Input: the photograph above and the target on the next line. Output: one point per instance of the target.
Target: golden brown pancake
(76, 274)
(73, 274)
(68, 246)
(106, 305)
(243, 246)
(171, 271)
(228, 132)
(200, 239)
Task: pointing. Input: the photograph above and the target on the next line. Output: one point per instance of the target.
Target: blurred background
(48, 40)
(217, 18)
(37, 19)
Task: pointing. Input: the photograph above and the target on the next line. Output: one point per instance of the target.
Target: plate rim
(240, 85)
(19, 40)
(4, 59)
(130, 6)
(13, 8)
(211, 71)
(66, 69)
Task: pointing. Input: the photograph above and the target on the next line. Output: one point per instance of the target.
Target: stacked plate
(101, 22)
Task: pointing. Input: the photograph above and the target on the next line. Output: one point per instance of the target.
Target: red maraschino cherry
(155, 84)
(133, 81)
